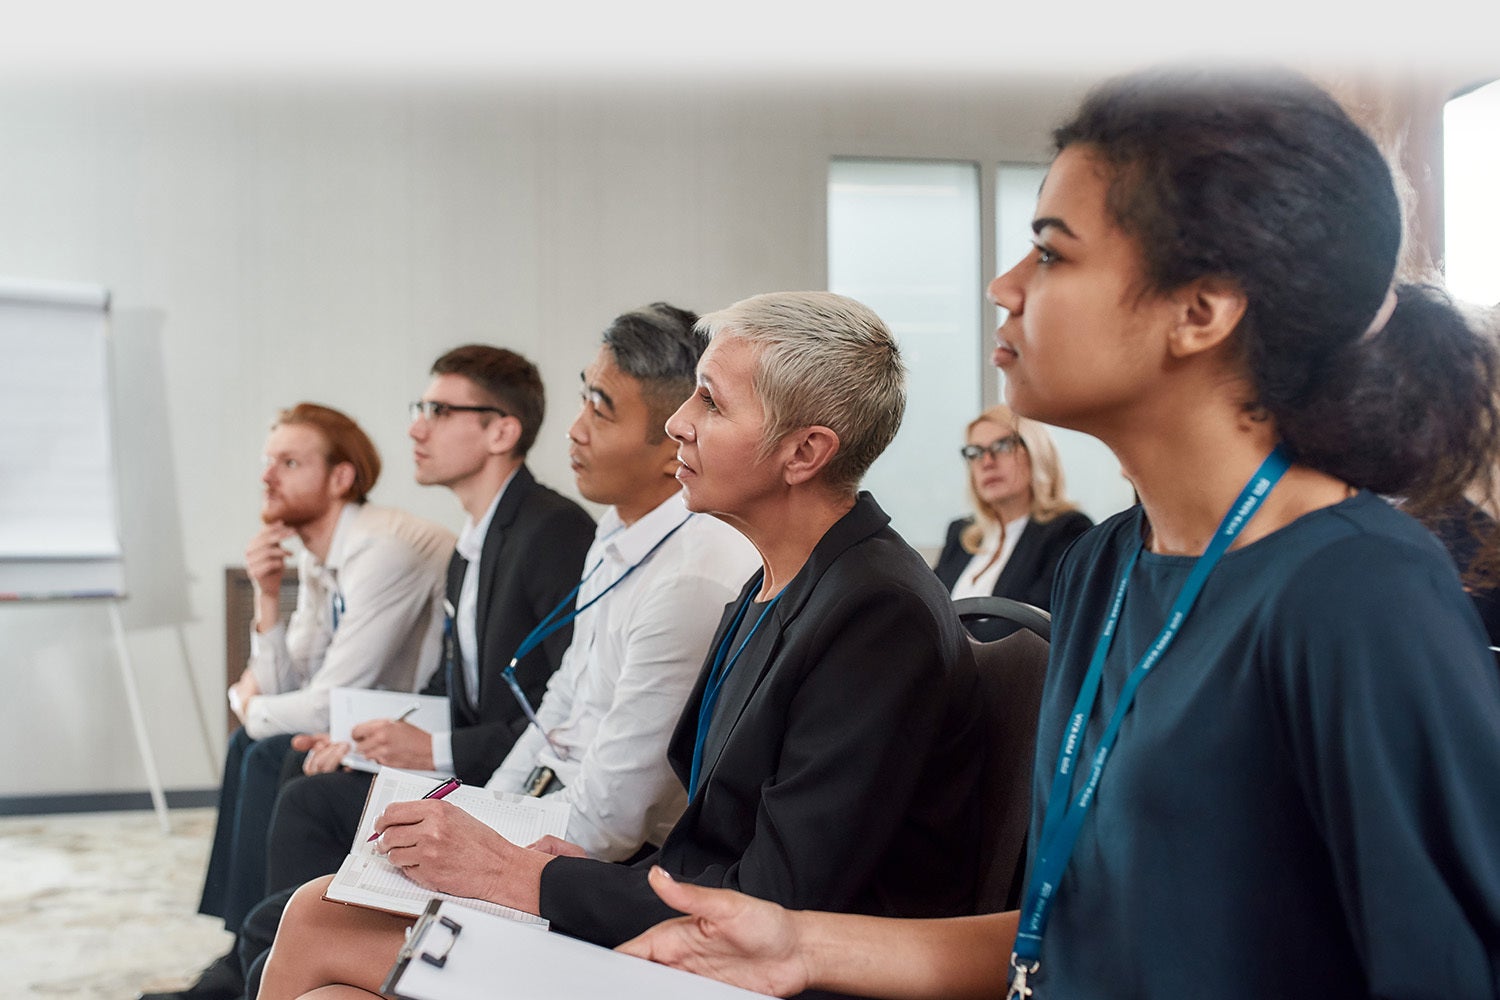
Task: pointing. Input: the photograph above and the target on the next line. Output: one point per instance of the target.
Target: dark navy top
(1304, 800)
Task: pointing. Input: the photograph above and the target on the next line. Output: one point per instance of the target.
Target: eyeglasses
(429, 409)
(1001, 446)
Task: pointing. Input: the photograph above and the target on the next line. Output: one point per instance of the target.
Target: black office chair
(1010, 675)
(1017, 613)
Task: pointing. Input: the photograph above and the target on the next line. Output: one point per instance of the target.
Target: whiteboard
(59, 518)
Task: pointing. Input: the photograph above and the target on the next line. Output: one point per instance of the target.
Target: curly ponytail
(1409, 411)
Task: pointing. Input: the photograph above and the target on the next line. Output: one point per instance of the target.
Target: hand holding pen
(395, 743)
(443, 847)
(441, 791)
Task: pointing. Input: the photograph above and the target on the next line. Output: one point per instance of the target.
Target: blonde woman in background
(1022, 521)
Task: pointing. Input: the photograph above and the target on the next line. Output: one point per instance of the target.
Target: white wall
(273, 241)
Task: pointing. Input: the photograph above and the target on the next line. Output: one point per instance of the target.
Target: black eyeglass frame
(431, 409)
(999, 446)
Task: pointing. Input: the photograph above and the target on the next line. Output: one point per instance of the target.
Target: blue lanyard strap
(716, 675)
(559, 617)
(1064, 818)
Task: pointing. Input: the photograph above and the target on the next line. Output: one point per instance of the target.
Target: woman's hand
(726, 935)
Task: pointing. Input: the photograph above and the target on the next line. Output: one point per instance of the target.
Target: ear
(504, 433)
(340, 479)
(666, 453)
(1207, 311)
(807, 452)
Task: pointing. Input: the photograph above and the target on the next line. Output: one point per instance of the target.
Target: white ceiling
(1078, 40)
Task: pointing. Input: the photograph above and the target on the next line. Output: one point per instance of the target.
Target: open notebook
(368, 879)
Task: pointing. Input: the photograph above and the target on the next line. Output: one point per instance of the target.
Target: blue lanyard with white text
(1066, 811)
(559, 617)
(716, 675)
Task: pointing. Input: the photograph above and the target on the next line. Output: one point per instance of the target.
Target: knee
(300, 808)
(298, 796)
(305, 905)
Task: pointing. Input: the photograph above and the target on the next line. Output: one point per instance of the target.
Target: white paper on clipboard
(459, 953)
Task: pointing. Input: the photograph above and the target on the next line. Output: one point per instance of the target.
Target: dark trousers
(236, 878)
(253, 943)
(313, 826)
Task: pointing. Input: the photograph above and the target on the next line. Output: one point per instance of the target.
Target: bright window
(1471, 195)
(903, 238)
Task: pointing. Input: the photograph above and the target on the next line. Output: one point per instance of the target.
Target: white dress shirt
(612, 704)
(968, 585)
(371, 615)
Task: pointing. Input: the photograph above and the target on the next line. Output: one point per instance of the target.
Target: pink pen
(446, 788)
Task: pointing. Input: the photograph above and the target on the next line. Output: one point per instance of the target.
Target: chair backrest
(1017, 613)
(1011, 671)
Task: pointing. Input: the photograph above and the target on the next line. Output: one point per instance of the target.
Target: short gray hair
(822, 359)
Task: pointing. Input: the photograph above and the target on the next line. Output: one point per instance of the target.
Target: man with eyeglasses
(518, 555)
(369, 614)
(649, 596)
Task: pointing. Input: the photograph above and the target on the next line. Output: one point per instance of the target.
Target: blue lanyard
(1064, 819)
(716, 675)
(559, 617)
(338, 608)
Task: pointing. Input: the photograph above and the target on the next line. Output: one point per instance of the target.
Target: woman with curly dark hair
(1270, 731)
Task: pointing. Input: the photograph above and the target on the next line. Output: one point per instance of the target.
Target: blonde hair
(821, 360)
(1048, 487)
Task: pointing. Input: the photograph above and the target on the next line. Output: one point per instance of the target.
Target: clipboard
(417, 944)
(457, 953)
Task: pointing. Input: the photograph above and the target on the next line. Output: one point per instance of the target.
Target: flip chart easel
(59, 503)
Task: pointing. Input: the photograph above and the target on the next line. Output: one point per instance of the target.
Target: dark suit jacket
(843, 774)
(1028, 572)
(531, 558)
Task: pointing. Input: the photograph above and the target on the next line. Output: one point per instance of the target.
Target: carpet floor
(103, 905)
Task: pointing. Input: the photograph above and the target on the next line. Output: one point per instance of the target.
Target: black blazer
(531, 557)
(843, 772)
(1028, 572)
